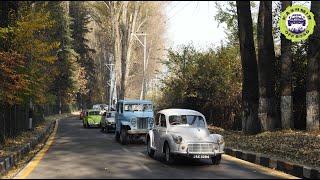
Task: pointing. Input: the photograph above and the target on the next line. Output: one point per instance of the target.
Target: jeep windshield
(137, 107)
(187, 120)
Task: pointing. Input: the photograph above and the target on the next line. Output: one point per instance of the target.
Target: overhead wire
(178, 11)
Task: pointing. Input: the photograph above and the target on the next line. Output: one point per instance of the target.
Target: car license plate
(200, 156)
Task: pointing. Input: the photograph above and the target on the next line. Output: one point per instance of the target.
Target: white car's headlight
(221, 141)
(177, 139)
(134, 122)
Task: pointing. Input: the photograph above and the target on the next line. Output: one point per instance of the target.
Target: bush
(209, 82)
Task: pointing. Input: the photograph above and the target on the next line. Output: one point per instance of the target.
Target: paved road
(88, 153)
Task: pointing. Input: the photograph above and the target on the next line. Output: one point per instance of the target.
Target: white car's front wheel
(168, 155)
(149, 149)
(216, 159)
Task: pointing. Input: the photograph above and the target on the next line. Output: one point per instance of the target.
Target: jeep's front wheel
(123, 136)
(149, 149)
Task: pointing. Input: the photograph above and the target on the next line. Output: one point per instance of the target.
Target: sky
(193, 21)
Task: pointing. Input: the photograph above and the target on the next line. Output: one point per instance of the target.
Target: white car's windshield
(112, 114)
(138, 107)
(189, 120)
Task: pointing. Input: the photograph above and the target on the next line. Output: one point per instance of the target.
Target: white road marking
(145, 167)
(125, 149)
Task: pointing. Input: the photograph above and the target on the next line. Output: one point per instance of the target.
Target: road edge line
(27, 170)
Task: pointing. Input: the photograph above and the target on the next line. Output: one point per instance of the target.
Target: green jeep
(92, 118)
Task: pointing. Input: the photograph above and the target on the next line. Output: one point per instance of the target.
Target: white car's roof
(178, 112)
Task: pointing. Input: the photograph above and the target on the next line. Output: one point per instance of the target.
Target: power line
(178, 11)
(196, 8)
(174, 6)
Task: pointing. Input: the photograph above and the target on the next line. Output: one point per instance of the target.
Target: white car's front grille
(200, 148)
(142, 123)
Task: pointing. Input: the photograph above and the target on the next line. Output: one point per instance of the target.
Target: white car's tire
(216, 160)
(106, 130)
(149, 149)
(168, 156)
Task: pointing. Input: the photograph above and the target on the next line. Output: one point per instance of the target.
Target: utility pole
(144, 45)
(111, 82)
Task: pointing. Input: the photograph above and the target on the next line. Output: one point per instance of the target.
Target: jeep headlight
(177, 139)
(134, 122)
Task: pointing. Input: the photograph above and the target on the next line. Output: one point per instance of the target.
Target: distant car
(108, 122)
(100, 107)
(134, 118)
(92, 119)
(82, 114)
(184, 132)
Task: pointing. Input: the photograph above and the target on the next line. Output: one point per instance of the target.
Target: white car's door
(155, 130)
(162, 131)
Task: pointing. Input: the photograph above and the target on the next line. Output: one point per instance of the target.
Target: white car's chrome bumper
(193, 153)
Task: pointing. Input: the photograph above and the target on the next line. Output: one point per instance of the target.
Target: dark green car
(92, 118)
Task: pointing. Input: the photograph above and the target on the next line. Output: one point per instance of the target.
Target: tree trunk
(312, 96)
(250, 92)
(286, 79)
(124, 49)
(266, 61)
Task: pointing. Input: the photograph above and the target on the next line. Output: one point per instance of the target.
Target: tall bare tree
(286, 78)
(312, 96)
(151, 15)
(128, 21)
(250, 92)
(266, 61)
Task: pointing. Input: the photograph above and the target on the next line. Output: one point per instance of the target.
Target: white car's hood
(190, 134)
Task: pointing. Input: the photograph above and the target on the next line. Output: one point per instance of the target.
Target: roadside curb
(281, 165)
(7, 162)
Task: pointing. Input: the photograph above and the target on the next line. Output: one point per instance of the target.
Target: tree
(27, 41)
(266, 67)
(208, 81)
(80, 19)
(250, 92)
(8, 12)
(286, 79)
(312, 95)
(67, 83)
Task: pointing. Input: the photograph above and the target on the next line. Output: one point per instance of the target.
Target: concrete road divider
(7, 162)
(281, 165)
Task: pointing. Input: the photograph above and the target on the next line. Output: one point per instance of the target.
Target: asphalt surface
(89, 153)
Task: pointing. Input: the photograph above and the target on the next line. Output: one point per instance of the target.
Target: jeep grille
(142, 123)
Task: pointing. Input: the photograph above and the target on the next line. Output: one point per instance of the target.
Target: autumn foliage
(13, 82)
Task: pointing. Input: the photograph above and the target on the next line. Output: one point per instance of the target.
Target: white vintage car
(184, 132)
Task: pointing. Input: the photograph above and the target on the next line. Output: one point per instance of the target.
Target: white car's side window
(157, 119)
(163, 120)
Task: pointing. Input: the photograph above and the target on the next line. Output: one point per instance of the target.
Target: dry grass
(13, 144)
(296, 146)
